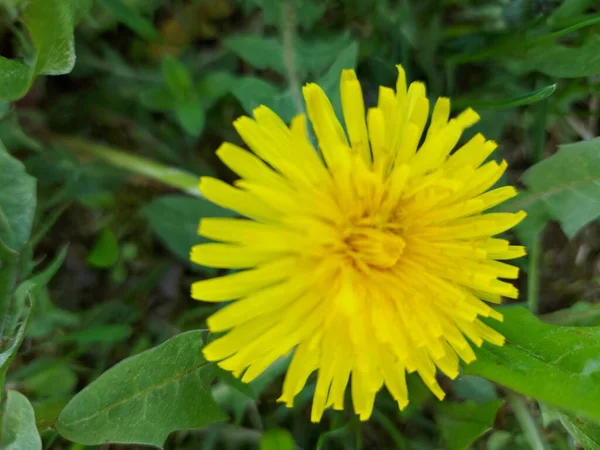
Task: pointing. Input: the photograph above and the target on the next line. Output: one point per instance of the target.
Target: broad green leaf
(560, 61)
(584, 430)
(175, 219)
(462, 423)
(258, 51)
(145, 397)
(569, 9)
(50, 24)
(566, 359)
(132, 18)
(105, 252)
(521, 100)
(253, 92)
(277, 439)
(564, 187)
(474, 388)
(17, 202)
(18, 424)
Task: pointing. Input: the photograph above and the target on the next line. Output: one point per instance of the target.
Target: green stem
(288, 30)
(526, 421)
(533, 274)
(171, 176)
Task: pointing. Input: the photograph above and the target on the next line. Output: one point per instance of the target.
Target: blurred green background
(117, 145)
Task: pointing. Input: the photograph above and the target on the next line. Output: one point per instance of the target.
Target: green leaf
(191, 115)
(159, 98)
(175, 219)
(258, 51)
(105, 252)
(521, 100)
(584, 430)
(213, 86)
(253, 92)
(50, 24)
(9, 350)
(474, 388)
(462, 423)
(566, 359)
(145, 397)
(18, 424)
(277, 439)
(564, 187)
(560, 61)
(177, 77)
(132, 18)
(17, 202)
(57, 380)
(569, 9)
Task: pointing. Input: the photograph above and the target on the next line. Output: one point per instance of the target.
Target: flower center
(373, 246)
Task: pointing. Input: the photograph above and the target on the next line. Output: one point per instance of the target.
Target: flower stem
(526, 421)
(171, 176)
(288, 30)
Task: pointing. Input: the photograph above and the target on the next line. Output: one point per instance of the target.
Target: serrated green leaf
(277, 439)
(567, 359)
(560, 61)
(564, 187)
(18, 424)
(132, 18)
(17, 202)
(175, 219)
(105, 252)
(462, 423)
(145, 397)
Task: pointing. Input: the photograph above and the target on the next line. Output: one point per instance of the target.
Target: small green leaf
(462, 423)
(18, 424)
(145, 397)
(175, 219)
(277, 439)
(565, 358)
(564, 187)
(253, 92)
(213, 86)
(132, 18)
(105, 252)
(17, 202)
(177, 77)
(56, 380)
(521, 100)
(191, 115)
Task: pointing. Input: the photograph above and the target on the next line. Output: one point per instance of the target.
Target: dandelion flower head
(368, 257)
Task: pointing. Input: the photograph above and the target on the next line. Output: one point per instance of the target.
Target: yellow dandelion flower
(368, 258)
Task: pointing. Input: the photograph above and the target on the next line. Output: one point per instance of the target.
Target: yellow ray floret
(368, 257)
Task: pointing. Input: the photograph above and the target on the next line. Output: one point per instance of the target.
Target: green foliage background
(110, 110)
